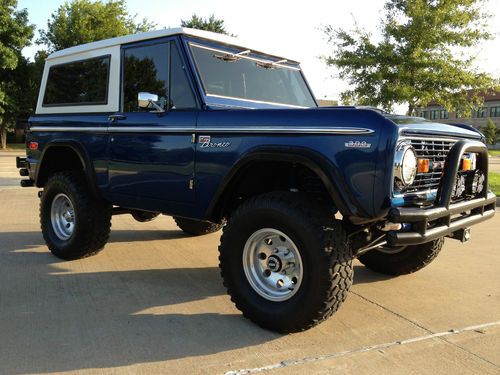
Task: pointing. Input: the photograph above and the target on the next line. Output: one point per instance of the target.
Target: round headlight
(405, 164)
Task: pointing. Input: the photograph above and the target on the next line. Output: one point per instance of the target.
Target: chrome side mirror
(144, 99)
(148, 101)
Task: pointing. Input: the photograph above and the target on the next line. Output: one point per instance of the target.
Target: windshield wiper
(231, 57)
(270, 64)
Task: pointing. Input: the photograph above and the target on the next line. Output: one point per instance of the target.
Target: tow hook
(463, 235)
(40, 193)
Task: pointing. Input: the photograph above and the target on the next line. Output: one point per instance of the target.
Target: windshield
(245, 75)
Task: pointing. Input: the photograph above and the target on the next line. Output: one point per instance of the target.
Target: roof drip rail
(376, 109)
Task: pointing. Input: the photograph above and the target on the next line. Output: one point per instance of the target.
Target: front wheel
(285, 261)
(74, 223)
(402, 260)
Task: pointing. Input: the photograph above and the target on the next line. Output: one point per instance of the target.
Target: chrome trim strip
(72, 129)
(267, 130)
(231, 130)
(149, 129)
(250, 101)
(427, 138)
(421, 133)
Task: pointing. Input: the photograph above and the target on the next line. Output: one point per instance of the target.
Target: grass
(494, 182)
(494, 152)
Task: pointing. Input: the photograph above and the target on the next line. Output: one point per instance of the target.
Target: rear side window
(82, 82)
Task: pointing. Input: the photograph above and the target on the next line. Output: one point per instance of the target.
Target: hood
(421, 126)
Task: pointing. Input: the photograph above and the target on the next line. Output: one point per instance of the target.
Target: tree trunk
(3, 136)
(411, 107)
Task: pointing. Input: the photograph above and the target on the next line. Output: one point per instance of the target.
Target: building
(327, 103)
(478, 117)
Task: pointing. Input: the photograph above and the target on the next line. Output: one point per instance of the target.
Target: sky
(289, 28)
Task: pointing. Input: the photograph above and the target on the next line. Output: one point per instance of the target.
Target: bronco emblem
(205, 142)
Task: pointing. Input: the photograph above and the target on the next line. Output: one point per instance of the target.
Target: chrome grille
(435, 150)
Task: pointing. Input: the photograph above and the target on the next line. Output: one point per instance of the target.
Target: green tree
(490, 131)
(84, 21)
(22, 85)
(35, 72)
(15, 34)
(213, 24)
(422, 55)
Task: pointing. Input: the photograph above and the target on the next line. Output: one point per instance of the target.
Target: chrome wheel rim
(62, 216)
(272, 264)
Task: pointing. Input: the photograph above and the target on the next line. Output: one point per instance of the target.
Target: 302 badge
(358, 144)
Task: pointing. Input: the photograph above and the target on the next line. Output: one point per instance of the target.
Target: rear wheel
(402, 260)
(285, 261)
(74, 224)
(197, 227)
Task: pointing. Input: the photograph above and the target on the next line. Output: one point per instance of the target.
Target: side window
(83, 82)
(181, 96)
(145, 70)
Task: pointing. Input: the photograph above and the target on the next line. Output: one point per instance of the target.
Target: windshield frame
(214, 100)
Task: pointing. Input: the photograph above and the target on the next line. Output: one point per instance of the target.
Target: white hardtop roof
(102, 44)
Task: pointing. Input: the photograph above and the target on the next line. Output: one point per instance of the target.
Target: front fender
(336, 186)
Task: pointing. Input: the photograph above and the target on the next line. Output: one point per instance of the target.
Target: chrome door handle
(116, 117)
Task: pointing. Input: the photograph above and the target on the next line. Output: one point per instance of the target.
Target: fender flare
(326, 171)
(79, 150)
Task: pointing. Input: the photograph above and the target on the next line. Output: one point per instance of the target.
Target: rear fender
(43, 170)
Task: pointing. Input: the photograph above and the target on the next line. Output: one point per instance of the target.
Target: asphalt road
(153, 302)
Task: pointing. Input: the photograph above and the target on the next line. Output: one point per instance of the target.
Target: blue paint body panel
(155, 166)
(165, 168)
(94, 143)
(351, 170)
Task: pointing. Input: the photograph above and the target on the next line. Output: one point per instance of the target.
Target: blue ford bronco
(197, 126)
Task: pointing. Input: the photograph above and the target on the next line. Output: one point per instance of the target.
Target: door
(151, 163)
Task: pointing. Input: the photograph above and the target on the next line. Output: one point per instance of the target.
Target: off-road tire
(197, 227)
(92, 217)
(324, 249)
(409, 260)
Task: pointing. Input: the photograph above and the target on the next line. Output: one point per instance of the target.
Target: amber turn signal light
(466, 165)
(423, 165)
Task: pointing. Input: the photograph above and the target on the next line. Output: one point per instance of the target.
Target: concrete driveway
(153, 302)
(494, 164)
(9, 175)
